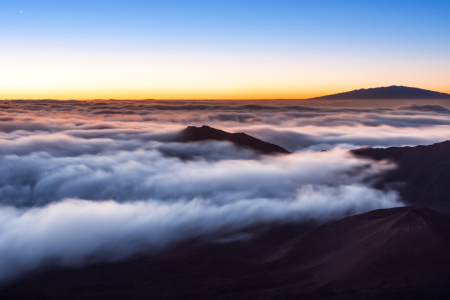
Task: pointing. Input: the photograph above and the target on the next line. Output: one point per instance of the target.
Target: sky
(291, 49)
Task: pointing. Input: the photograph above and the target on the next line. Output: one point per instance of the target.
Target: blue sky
(360, 32)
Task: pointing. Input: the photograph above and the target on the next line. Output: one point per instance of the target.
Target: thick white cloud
(76, 232)
(161, 200)
(143, 193)
(41, 178)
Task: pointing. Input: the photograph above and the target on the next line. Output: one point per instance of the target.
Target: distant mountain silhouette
(391, 92)
(423, 173)
(399, 253)
(204, 133)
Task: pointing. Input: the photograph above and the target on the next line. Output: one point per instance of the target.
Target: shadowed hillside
(423, 172)
(382, 251)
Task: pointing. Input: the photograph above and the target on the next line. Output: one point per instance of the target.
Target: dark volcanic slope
(391, 250)
(399, 253)
(391, 92)
(196, 134)
(423, 173)
(191, 271)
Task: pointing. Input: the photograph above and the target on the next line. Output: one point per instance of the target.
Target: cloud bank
(74, 233)
(91, 181)
(40, 178)
(304, 127)
(145, 201)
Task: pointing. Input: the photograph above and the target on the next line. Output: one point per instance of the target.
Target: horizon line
(225, 99)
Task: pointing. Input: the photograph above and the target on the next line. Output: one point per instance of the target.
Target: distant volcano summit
(390, 92)
(205, 133)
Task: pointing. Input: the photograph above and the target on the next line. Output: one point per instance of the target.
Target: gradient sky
(219, 49)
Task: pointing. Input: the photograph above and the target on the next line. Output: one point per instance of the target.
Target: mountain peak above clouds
(205, 133)
(390, 92)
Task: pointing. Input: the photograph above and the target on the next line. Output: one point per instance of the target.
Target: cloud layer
(287, 123)
(75, 232)
(40, 178)
(145, 201)
(101, 180)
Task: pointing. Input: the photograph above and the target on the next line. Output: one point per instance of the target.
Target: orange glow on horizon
(85, 76)
(168, 95)
(250, 94)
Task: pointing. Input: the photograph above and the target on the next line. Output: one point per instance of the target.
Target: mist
(76, 210)
(100, 181)
(75, 233)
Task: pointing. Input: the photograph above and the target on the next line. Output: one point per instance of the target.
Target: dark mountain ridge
(422, 175)
(205, 133)
(391, 92)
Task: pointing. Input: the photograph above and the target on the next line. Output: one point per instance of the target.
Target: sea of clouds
(91, 181)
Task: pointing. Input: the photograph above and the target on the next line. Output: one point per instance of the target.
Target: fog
(76, 232)
(83, 182)
(40, 178)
